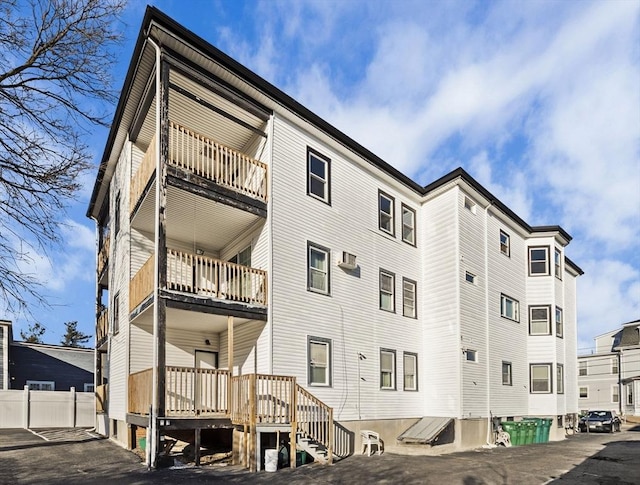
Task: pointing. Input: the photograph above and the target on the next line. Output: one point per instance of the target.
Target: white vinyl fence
(46, 409)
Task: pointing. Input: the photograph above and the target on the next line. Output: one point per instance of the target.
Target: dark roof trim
(573, 266)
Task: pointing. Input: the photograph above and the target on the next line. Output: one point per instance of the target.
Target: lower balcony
(204, 277)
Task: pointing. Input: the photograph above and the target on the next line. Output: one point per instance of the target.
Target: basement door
(207, 386)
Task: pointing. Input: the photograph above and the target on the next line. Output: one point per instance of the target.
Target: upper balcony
(206, 165)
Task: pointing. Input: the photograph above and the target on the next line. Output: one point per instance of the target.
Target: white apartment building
(262, 274)
(609, 378)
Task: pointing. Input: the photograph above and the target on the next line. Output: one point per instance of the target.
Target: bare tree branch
(55, 86)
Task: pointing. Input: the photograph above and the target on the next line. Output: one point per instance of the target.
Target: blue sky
(538, 100)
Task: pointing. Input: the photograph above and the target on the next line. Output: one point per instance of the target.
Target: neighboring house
(43, 367)
(261, 272)
(610, 377)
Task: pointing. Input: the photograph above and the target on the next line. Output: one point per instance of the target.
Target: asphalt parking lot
(77, 456)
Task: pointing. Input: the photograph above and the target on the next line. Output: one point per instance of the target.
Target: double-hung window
(615, 393)
(387, 291)
(408, 225)
(386, 205)
(410, 366)
(540, 378)
(582, 368)
(539, 320)
(387, 369)
(505, 243)
(583, 392)
(319, 355)
(41, 385)
(630, 394)
(539, 261)
(509, 308)
(116, 314)
(560, 378)
(318, 176)
(318, 268)
(557, 260)
(614, 366)
(408, 298)
(559, 323)
(507, 377)
(116, 216)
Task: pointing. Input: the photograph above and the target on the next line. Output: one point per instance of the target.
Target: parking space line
(38, 435)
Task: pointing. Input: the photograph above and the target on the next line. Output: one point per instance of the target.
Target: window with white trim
(318, 176)
(470, 277)
(387, 369)
(509, 308)
(387, 291)
(319, 355)
(318, 258)
(408, 298)
(582, 368)
(614, 365)
(539, 261)
(560, 378)
(386, 205)
(408, 225)
(469, 205)
(507, 376)
(630, 394)
(410, 369)
(41, 385)
(88, 387)
(557, 260)
(505, 243)
(540, 375)
(615, 393)
(583, 392)
(559, 323)
(116, 314)
(539, 320)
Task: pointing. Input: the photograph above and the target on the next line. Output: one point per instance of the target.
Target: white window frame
(470, 277)
(557, 262)
(586, 393)
(549, 378)
(311, 176)
(390, 292)
(469, 204)
(629, 394)
(391, 372)
(89, 387)
(409, 298)
(504, 299)
(560, 378)
(408, 372)
(382, 214)
(614, 366)
(582, 366)
(39, 385)
(115, 324)
(537, 321)
(505, 243)
(538, 261)
(615, 393)
(559, 322)
(311, 247)
(326, 343)
(408, 227)
(508, 374)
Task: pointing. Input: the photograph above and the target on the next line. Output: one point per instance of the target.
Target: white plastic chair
(369, 440)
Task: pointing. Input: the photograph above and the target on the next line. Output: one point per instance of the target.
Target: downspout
(152, 450)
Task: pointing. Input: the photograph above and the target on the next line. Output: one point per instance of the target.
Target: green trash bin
(537, 438)
(515, 431)
(529, 432)
(546, 427)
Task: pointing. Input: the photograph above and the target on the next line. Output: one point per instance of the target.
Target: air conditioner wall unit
(348, 261)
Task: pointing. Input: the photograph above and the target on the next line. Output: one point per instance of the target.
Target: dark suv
(600, 421)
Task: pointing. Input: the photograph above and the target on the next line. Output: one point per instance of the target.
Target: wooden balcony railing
(140, 391)
(189, 392)
(102, 327)
(103, 254)
(265, 398)
(214, 161)
(206, 276)
(101, 398)
(141, 285)
(143, 174)
(314, 419)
